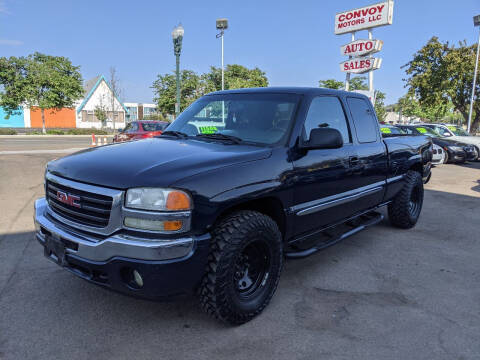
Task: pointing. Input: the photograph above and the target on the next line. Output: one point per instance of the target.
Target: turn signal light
(178, 201)
(172, 225)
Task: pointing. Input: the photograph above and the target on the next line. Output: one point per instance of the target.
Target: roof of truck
(288, 90)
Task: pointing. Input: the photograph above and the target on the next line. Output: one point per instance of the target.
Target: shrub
(4, 131)
(55, 132)
(86, 132)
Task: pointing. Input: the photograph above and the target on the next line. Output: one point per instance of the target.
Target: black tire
(228, 292)
(405, 208)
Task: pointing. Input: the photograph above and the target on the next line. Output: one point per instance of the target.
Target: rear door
(323, 180)
(370, 163)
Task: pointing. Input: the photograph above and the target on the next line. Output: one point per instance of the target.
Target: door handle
(354, 161)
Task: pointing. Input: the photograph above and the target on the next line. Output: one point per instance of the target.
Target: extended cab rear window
(363, 119)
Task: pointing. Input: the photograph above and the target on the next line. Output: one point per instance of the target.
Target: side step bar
(355, 226)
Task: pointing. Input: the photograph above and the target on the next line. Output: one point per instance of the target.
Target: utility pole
(476, 22)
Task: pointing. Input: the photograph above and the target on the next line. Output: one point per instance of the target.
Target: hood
(448, 142)
(154, 162)
(474, 140)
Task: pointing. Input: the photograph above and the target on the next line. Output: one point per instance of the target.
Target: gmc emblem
(68, 199)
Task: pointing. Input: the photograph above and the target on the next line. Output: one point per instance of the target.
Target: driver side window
(326, 111)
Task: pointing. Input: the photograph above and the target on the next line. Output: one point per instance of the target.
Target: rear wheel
(245, 262)
(405, 208)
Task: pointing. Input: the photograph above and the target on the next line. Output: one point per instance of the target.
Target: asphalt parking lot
(382, 294)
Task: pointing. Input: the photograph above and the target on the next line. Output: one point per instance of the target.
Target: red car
(141, 129)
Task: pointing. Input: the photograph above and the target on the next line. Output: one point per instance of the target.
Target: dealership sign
(361, 47)
(364, 18)
(360, 65)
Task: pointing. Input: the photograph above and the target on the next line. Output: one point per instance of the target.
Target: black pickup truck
(240, 181)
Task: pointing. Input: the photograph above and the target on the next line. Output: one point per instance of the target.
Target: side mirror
(323, 138)
(120, 130)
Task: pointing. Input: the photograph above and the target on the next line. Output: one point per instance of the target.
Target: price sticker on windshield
(386, 130)
(421, 130)
(208, 129)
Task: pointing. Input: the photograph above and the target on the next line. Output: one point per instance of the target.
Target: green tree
(236, 77)
(440, 76)
(194, 86)
(48, 82)
(164, 88)
(331, 84)
(410, 106)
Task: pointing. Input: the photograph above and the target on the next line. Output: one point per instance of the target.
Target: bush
(86, 132)
(7, 132)
(55, 132)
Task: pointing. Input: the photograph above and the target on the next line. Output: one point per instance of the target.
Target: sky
(292, 41)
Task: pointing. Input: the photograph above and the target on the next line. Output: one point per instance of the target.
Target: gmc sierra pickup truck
(241, 180)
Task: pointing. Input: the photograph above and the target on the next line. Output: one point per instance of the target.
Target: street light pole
(177, 36)
(476, 22)
(222, 25)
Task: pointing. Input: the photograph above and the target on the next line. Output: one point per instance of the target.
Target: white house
(99, 95)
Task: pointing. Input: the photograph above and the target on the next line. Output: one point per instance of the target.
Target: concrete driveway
(382, 294)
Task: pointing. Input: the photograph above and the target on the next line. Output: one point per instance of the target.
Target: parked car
(293, 171)
(456, 133)
(141, 129)
(455, 151)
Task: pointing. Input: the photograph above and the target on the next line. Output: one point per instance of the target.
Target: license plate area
(55, 249)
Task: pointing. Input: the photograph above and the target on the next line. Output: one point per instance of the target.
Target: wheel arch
(270, 206)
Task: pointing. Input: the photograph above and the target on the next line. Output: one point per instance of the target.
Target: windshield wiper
(177, 134)
(220, 136)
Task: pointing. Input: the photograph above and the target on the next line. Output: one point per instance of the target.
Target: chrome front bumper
(91, 248)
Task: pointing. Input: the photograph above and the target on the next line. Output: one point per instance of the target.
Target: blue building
(16, 120)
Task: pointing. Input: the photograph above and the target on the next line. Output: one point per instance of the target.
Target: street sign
(364, 18)
(360, 65)
(361, 47)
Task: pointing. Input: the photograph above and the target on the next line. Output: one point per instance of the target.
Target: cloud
(11, 42)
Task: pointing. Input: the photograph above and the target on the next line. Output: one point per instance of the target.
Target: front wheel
(406, 206)
(245, 262)
(445, 159)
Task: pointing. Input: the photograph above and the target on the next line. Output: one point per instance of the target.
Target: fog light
(154, 225)
(137, 278)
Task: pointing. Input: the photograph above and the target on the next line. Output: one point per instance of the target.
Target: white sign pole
(370, 73)
(347, 81)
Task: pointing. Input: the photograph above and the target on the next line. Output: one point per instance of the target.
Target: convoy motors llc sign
(364, 18)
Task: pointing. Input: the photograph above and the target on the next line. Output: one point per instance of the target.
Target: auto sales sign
(360, 65)
(364, 18)
(361, 47)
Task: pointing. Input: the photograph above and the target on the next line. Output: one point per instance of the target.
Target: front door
(323, 176)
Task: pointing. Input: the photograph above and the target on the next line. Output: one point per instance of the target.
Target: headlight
(158, 199)
(456, 148)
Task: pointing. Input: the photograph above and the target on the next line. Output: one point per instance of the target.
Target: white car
(455, 132)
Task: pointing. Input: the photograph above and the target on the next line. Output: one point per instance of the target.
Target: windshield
(391, 130)
(427, 131)
(256, 118)
(154, 126)
(457, 130)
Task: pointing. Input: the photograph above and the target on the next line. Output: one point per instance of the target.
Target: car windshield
(259, 118)
(154, 126)
(457, 130)
(391, 130)
(427, 131)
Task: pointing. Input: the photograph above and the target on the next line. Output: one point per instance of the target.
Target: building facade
(100, 97)
(139, 111)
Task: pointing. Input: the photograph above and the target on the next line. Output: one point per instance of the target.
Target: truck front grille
(79, 206)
